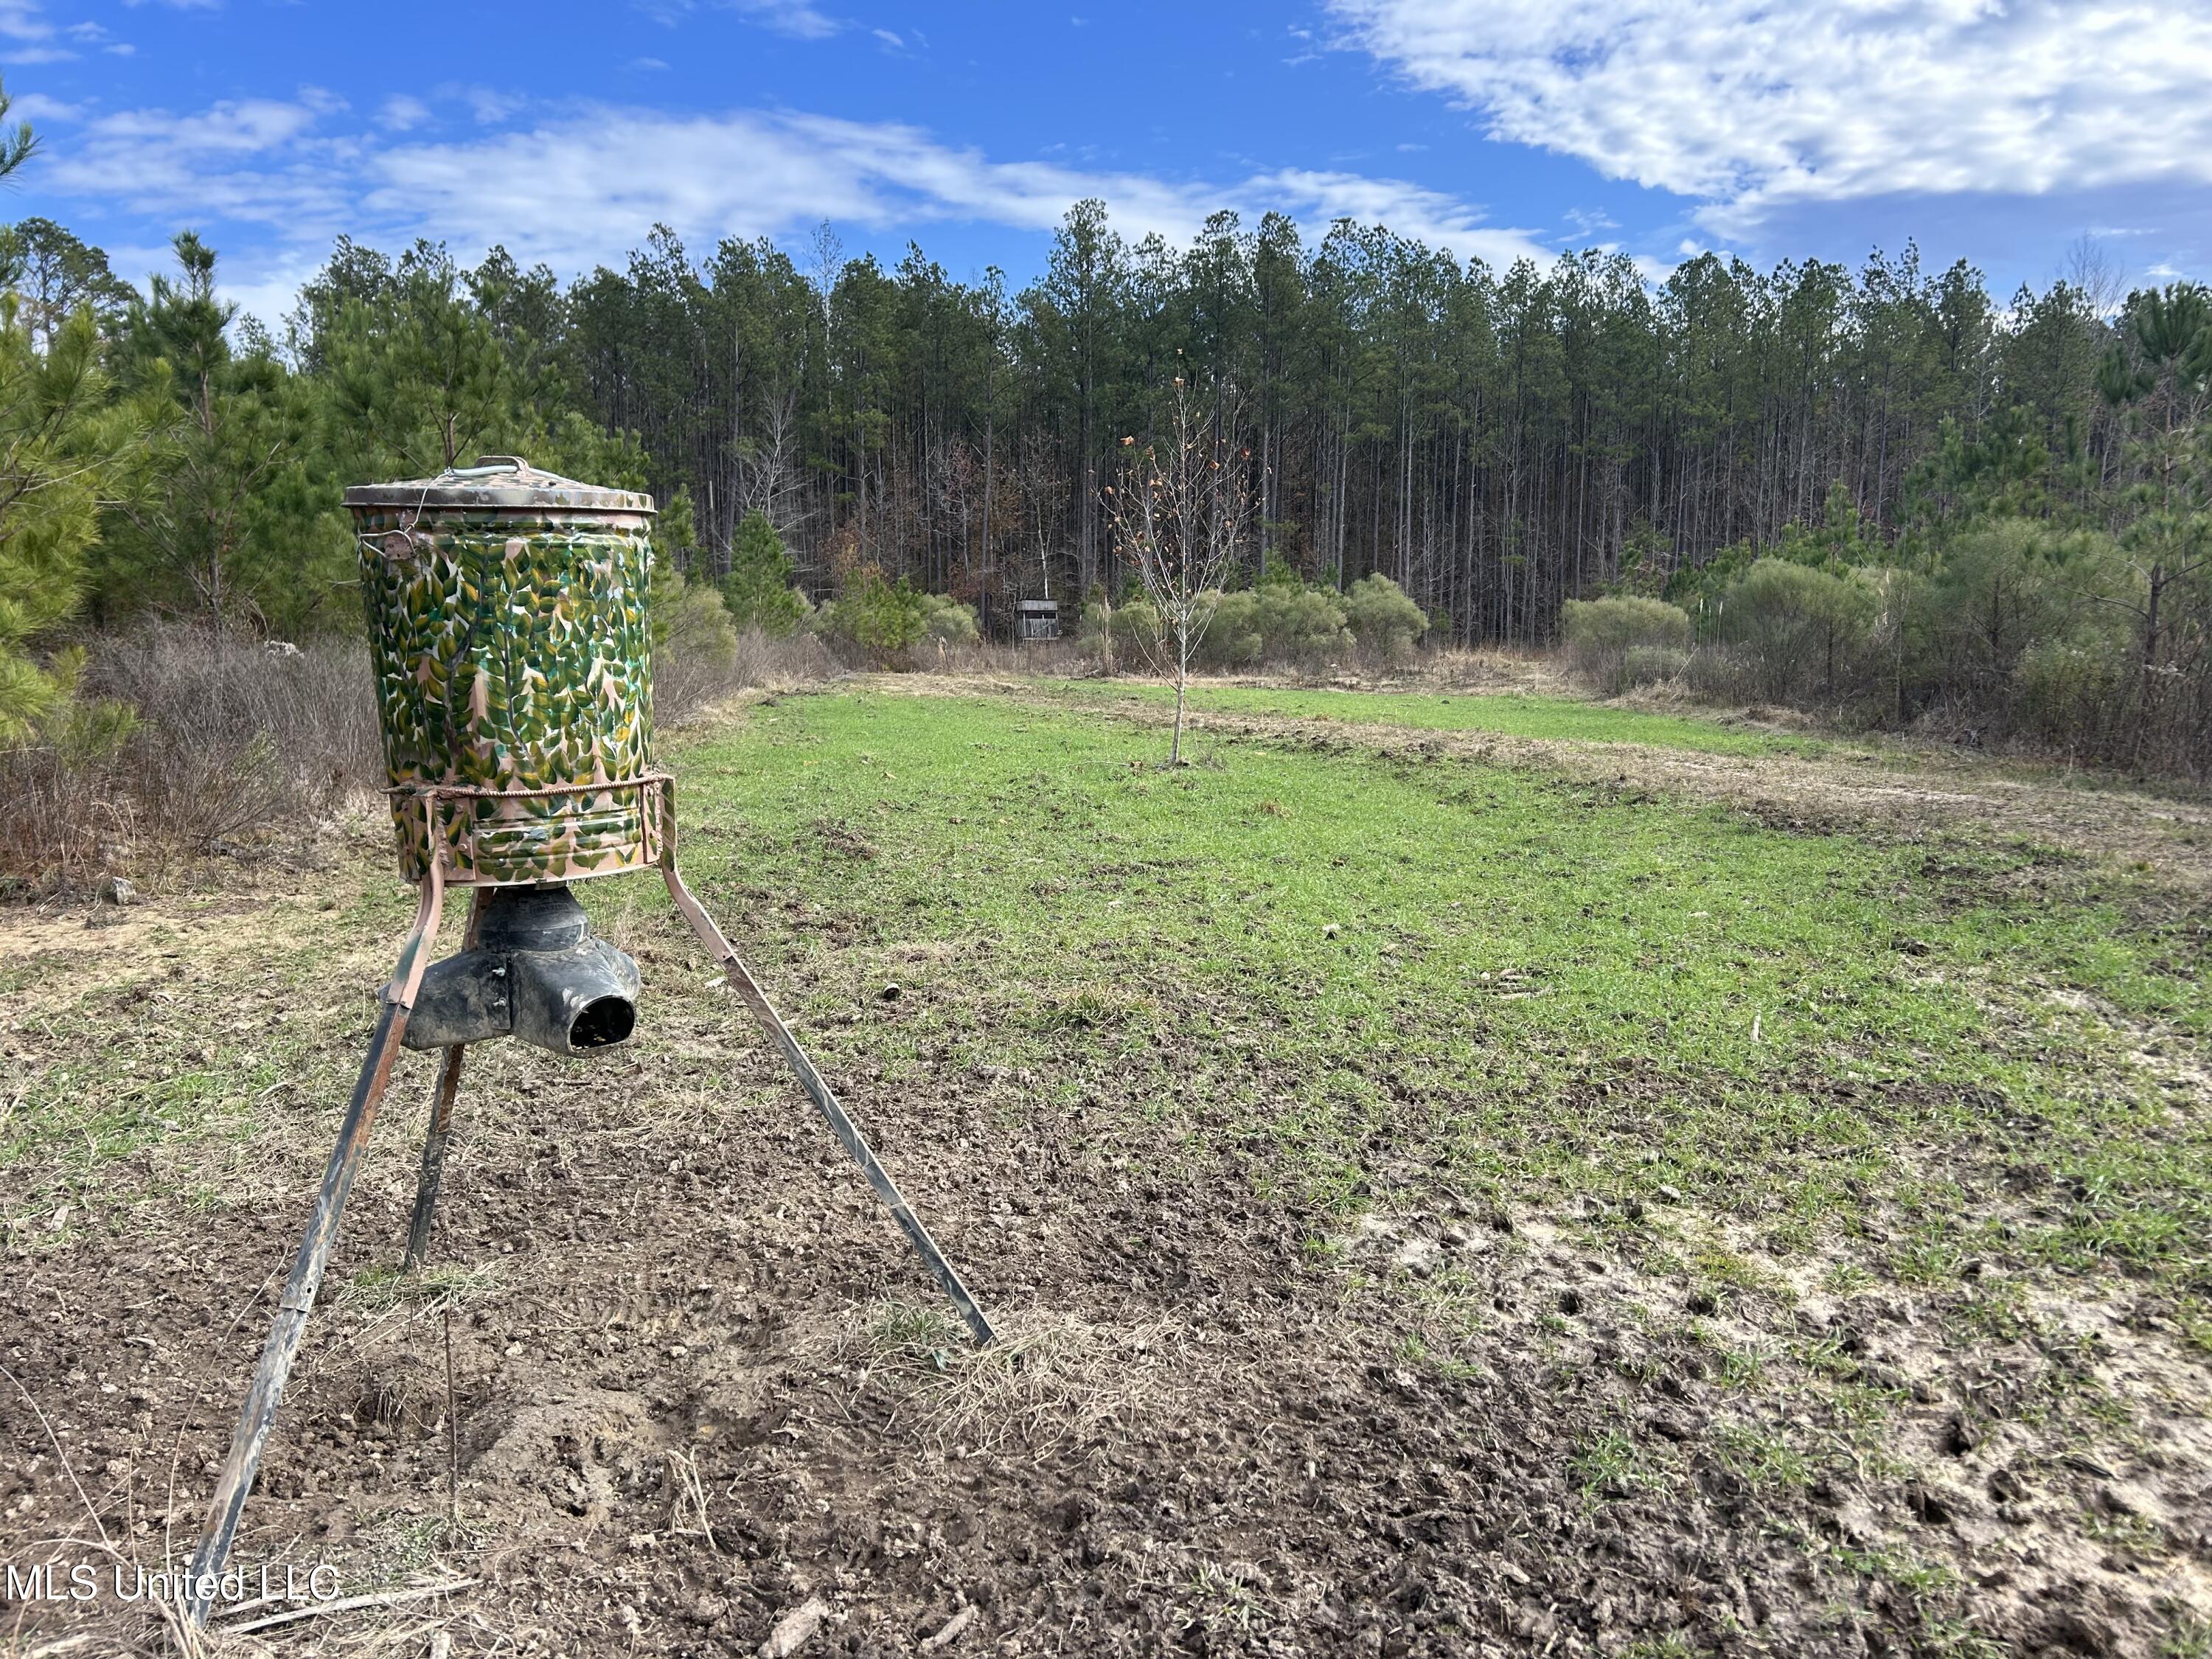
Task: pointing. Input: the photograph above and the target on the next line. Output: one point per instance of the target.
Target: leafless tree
(2096, 276)
(1182, 511)
(825, 262)
(770, 481)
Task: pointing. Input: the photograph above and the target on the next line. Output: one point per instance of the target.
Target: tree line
(1497, 443)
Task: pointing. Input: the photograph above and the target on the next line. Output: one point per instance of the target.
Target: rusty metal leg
(267, 1390)
(433, 1157)
(825, 1100)
(441, 1125)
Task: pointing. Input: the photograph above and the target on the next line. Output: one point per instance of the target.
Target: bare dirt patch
(698, 1382)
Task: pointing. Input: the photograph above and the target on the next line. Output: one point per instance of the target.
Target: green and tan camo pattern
(514, 651)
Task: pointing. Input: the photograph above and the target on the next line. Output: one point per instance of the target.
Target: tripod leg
(841, 1123)
(441, 1126)
(267, 1390)
(433, 1157)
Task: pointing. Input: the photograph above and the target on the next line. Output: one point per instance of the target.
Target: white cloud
(1426, 216)
(38, 106)
(19, 20)
(268, 287)
(1754, 104)
(793, 17)
(587, 189)
(615, 173)
(256, 159)
(23, 21)
(798, 18)
(401, 112)
(263, 285)
(490, 107)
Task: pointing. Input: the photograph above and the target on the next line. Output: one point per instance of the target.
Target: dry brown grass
(1054, 659)
(227, 745)
(687, 683)
(225, 740)
(1050, 1381)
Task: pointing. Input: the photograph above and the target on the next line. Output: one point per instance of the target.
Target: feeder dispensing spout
(534, 972)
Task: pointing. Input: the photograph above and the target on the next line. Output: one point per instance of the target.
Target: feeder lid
(499, 483)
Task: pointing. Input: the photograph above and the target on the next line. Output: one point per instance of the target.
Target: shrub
(874, 614)
(795, 660)
(1995, 589)
(1623, 623)
(1276, 622)
(1122, 632)
(178, 739)
(1382, 618)
(1796, 632)
(62, 441)
(1302, 624)
(690, 617)
(947, 623)
(2068, 692)
(1232, 637)
(1648, 664)
(1625, 640)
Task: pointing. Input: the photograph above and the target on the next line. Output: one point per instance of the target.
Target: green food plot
(1515, 715)
(1375, 979)
(1390, 976)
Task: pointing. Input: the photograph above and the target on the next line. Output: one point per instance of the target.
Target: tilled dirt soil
(1196, 1439)
(699, 1387)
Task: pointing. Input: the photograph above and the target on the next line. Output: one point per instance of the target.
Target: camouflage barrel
(508, 631)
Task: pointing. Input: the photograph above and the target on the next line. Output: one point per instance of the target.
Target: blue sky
(2002, 130)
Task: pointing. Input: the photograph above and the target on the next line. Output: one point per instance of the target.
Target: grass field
(1562, 988)
(1407, 1179)
(1516, 714)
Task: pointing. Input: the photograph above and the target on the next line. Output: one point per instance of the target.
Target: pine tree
(759, 591)
(63, 441)
(199, 528)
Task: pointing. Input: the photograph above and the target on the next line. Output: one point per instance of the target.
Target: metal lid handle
(487, 465)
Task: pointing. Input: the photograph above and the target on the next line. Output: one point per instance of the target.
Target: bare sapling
(1182, 512)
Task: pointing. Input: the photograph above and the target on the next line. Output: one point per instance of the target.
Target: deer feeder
(510, 636)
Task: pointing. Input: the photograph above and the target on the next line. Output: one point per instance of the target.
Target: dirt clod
(795, 1629)
(954, 1629)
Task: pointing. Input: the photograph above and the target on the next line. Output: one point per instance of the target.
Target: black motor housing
(535, 972)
